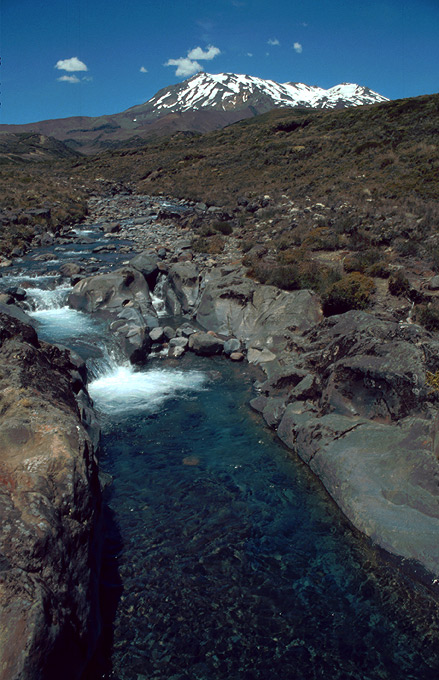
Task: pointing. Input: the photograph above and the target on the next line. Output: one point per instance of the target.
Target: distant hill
(202, 103)
(32, 146)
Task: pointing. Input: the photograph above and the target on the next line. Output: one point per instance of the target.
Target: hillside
(385, 150)
(201, 103)
(319, 193)
(32, 146)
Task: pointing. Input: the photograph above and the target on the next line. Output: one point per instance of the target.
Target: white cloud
(249, 54)
(273, 41)
(298, 47)
(198, 53)
(69, 79)
(72, 64)
(143, 69)
(187, 66)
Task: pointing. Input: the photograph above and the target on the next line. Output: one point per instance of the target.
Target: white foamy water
(124, 390)
(83, 232)
(159, 305)
(157, 296)
(60, 324)
(49, 299)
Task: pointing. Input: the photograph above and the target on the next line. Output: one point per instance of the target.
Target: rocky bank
(348, 393)
(50, 507)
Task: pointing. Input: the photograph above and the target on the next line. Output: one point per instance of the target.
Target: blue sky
(92, 57)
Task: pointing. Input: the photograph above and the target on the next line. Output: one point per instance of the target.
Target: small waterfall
(158, 296)
(45, 299)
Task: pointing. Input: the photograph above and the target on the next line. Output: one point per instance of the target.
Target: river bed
(224, 557)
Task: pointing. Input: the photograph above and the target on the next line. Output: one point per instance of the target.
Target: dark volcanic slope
(385, 150)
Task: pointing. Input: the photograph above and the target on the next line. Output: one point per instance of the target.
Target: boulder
(169, 332)
(69, 269)
(111, 227)
(182, 288)
(146, 264)
(205, 344)
(185, 330)
(384, 478)
(231, 345)
(157, 334)
(50, 509)
(122, 298)
(178, 342)
(359, 414)
(263, 317)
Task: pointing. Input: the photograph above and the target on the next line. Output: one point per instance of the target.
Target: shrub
(408, 249)
(322, 238)
(379, 270)
(432, 380)
(224, 228)
(286, 277)
(399, 284)
(428, 316)
(211, 245)
(352, 291)
(207, 230)
(435, 259)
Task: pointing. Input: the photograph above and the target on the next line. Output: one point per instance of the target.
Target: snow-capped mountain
(229, 91)
(202, 103)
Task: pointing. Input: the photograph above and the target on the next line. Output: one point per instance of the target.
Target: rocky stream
(154, 525)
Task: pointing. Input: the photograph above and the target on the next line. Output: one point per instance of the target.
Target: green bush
(353, 291)
(399, 284)
(435, 259)
(428, 316)
(369, 262)
(211, 245)
(408, 248)
(224, 228)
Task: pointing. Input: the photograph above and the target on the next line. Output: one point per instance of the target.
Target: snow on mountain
(229, 91)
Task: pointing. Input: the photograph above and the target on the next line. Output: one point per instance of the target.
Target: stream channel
(224, 558)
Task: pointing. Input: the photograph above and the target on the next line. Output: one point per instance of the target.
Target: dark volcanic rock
(205, 344)
(182, 288)
(360, 417)
(69, 269)
(122, 298)
(146, 263)
(262, 317)
(49, 500)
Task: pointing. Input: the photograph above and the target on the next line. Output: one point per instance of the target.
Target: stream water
(224, 557)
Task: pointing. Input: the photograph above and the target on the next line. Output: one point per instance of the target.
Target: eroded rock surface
(50, 508)
(121, 297)
(355, 407)
(262, 317)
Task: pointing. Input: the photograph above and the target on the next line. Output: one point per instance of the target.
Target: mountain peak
(232, 91)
